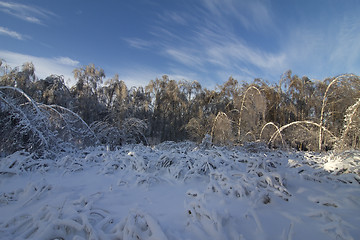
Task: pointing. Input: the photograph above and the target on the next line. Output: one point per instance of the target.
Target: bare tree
(86, 93)
(221, 132)
(340, 93)
(251, 113)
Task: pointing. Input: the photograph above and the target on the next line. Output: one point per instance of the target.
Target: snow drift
(180, 191)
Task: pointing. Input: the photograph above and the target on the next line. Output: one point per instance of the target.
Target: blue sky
(203, 40)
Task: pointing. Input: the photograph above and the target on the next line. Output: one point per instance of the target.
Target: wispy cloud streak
(253, 15)
(214, 45)
(186, 57)
(27, 13)
(10, 33)
(138, 43)
(254, 38)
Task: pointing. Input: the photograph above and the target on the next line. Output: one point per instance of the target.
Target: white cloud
(138, 43)
(67, 61)
(230, 53)
(185, 56)
(27, 13)
(44, 67)
(13, 34)
(253, 14)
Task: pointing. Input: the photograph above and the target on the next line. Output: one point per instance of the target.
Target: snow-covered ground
(181, 191)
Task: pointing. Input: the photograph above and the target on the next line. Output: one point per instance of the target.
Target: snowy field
(181, 191)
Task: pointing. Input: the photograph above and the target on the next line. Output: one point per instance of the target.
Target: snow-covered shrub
(206, 141)
(350, 137)
(207, 222)
(37, 128)
(69, 127)
(343, 162)
(139, 225)
(107, 134)
(23, 123)
(134, 130)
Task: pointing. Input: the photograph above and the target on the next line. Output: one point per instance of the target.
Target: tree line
(297, 111)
